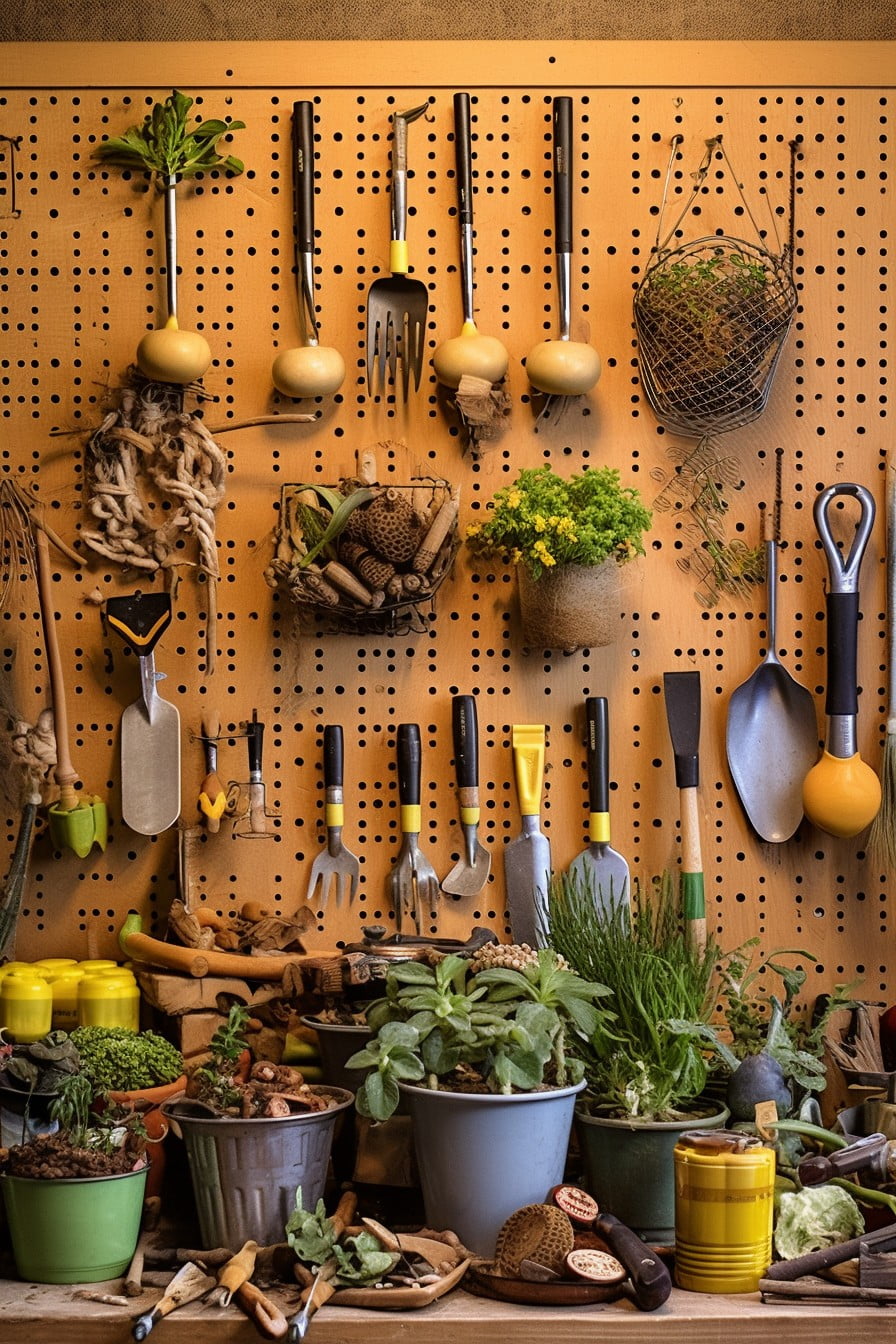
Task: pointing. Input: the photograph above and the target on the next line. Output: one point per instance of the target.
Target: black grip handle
(463, 157)
(140, 619)
(843, 626)
(597, 720)
(409, 764)
(303, 174)
(255, 742)
(466, 740)
(563, 174)
(650, 1279)
(334, 756)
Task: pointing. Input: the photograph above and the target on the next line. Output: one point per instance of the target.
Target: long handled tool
(841, 793)
(311, 369)
(682, 692)
(563, 368)
(334, 863)
(413, 883)
(527, 859)
(882, 836)
(470, 874)
(470, 354)
(397, 305)
(772, 733)
(599, 868)
(150, 727)
(77, 821)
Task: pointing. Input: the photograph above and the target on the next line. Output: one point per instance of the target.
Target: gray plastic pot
(481, 1157)
(630, 1169)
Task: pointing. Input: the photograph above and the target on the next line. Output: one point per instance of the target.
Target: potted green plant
(480, 1053)
(253, 1131)
(647, 1075)
(74, 1197)
(567, 538)
(135, 1069)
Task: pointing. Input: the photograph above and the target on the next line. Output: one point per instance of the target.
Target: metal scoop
(772, 731)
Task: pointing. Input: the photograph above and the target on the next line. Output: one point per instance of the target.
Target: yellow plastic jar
(26, 1005)
(64, 988)
(724, 1206)
(109, 999)
(98, 964)
(53, 964)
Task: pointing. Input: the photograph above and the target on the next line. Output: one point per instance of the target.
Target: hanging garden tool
(599, 868)
(470, 874)
(397, 305)
(682, 692)
(334, 862)
(772, 732)
(413, 884)
(882, 836)
(527, 859)
(150, 727)
(78, 821)
(171, 152)
(310, 370)
(246, 801)
(471, 362)
(563, 368)
(212, 797)
(841, 793)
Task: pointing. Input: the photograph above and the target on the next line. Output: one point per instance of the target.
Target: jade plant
(499, 1030)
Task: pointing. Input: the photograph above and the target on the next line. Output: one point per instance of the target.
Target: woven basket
(711, 319)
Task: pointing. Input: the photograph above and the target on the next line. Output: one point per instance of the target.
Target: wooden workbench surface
(28, 1310)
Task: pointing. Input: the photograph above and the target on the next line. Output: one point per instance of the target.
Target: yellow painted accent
(151, 633)
(172, 323)
(334, 814)
(599, 828)
(213, 809)
(528, 764)
(398, 257)
(469, 329)
(410, 818)
(469, 816)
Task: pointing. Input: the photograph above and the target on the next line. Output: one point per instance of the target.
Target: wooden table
(30, 1312)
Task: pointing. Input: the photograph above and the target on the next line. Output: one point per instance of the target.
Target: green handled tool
(682, 692)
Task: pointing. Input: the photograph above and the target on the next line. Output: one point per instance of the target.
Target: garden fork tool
(470, 874)
(334, 862)
(413, 884)
(397, 305)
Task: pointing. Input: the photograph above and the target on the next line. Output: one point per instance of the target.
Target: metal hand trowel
(527, 859)
(150, 727)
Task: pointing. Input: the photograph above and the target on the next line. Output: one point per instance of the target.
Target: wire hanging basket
(711, 317)
(345, 578)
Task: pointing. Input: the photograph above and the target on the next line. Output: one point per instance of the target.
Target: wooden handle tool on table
(682, 693)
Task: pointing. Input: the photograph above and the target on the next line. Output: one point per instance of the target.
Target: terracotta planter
(571, 607)
(148, 1101)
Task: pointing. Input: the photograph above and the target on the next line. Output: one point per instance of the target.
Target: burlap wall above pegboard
(425, 20)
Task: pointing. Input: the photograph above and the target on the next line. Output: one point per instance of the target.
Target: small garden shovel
(150, 727)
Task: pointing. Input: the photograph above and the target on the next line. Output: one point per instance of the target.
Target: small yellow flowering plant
(543, 520)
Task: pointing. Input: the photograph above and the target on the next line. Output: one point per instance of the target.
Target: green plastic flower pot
(80, 1230)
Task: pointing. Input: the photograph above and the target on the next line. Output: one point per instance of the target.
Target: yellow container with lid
(64, 987)
(98, 964)
(53, 964)
(724, 1208)
(109, 999)
(26, 1004)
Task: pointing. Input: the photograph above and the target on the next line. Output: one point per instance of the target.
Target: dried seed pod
(392, 527)
(375, 571)
(443, 523)
(347, 582)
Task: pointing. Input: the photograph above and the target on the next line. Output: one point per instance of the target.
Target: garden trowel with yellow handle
(150, 727)
(527, 859)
